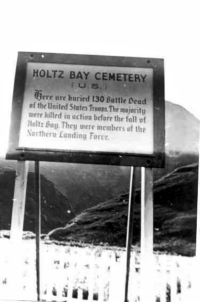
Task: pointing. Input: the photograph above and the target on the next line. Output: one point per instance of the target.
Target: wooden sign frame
(106, 158)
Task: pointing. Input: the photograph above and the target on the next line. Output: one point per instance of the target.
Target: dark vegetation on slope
(55, 207)
(175, 203)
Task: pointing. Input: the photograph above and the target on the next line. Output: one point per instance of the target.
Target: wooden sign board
(88, 109)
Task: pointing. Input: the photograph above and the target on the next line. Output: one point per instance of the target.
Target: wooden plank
(19, 200)
(147, 275)
(101, 158)
(91, 276)
(163, 294)
(173, 279)
(129, 237)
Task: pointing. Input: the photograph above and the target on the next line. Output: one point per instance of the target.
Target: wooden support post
(19, 201)
(38, 225)
(129, 235)
(147, 212)
(147, 235)
(17, 222)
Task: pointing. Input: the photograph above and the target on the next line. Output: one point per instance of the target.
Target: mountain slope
(55, 207)
(175, 203)
(182, 131)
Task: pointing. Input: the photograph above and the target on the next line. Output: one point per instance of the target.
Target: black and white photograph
(99, 151)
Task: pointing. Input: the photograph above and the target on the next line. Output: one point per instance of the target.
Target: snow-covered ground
(87, 272)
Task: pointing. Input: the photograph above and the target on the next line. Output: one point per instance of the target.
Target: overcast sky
(157, 29)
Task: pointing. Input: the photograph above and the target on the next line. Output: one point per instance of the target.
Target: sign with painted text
(89, 105)
(87, 108)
